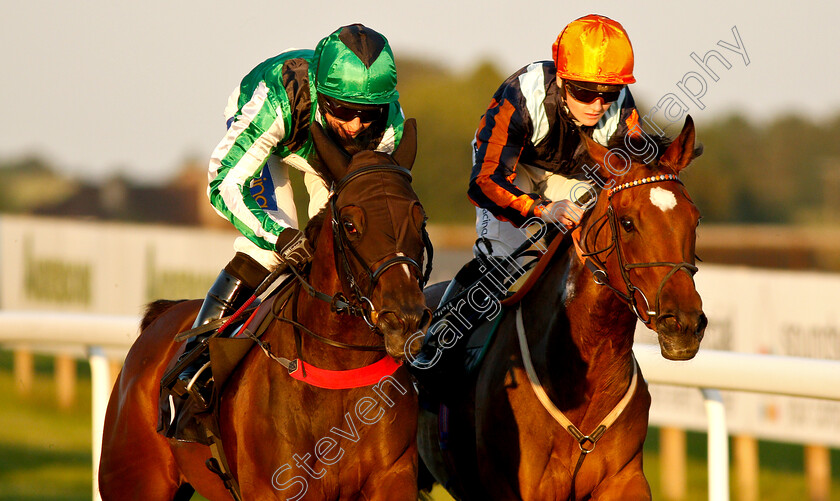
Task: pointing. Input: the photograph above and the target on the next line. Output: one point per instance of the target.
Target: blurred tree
(448, 108)
(770, 174)
(717, 180)
(31, 181)
(784, 171)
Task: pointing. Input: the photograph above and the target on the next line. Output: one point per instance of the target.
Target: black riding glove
(293, 248)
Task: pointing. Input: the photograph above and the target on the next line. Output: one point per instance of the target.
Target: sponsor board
(765, 312)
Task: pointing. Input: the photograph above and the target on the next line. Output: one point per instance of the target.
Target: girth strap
(219, 465)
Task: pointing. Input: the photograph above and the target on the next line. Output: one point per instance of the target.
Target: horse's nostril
(667, 321)
(389, 322)
(425, 320)
(702, 322)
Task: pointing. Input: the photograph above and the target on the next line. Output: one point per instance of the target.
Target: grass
(45, 452)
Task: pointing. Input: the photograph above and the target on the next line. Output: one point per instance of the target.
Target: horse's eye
(350, 228)
(626, 224)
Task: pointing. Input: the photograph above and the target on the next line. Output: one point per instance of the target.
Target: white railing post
(718, 445)
(100, 380)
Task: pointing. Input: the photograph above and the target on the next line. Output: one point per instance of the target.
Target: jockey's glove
(293, 249)
(564, 212)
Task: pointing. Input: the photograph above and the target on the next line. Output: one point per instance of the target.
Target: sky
(102, 88)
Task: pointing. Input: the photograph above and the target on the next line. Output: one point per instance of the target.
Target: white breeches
(279, 203)
(504, 237)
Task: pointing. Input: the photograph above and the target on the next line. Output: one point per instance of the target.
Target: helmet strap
(564, 108)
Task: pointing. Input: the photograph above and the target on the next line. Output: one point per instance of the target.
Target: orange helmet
(594, 49)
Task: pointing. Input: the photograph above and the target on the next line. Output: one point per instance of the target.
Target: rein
(585, 442)
(333, 301)
(310, 374)
(595, 264)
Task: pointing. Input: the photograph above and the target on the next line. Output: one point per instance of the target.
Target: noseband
(343, 248)
(599, 270)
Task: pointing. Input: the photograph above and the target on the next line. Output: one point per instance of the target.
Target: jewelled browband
(638, 182)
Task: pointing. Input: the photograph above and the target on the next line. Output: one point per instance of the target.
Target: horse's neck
(594, 336)
(609, 322)
(316, 315)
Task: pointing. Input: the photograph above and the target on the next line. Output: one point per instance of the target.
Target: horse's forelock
(362, 159)
(368, 158)
(638, 148)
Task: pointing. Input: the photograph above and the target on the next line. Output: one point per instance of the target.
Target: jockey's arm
(501, 136)
(255, 131)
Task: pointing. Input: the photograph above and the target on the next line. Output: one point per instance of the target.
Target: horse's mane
(155, 309)
(313, 227)
(637, 148)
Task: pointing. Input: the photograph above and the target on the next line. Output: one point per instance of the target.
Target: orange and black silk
(528, 101)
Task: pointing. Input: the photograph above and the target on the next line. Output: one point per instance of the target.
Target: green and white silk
(270, 114)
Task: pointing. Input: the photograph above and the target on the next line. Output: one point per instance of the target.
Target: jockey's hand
(293, 249)
(564, 212)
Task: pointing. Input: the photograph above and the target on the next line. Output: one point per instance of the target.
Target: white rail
(726, 370)
(101, 336)
(50, 332)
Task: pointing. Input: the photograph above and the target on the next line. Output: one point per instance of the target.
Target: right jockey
(348, 85)
(526, 140)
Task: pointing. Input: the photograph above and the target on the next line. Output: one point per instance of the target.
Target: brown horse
(559, 377)
(286, 438)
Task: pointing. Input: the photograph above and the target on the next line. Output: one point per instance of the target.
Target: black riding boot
(225, 296)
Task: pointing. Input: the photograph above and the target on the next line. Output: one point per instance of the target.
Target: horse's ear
(406, 152)
(680, 153)
(334, 160)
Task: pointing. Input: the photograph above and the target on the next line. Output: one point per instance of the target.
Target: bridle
(594, 260)
(360, 300)
(359, 303)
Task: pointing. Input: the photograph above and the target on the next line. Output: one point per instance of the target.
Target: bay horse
(559, 376)
(308, 437)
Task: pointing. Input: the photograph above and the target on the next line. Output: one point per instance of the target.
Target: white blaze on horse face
(405, 266)
(662, 198)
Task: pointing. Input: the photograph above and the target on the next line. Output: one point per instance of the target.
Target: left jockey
(348, 85)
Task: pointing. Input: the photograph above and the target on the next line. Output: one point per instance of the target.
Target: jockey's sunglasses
(587, 96)
(347, 114)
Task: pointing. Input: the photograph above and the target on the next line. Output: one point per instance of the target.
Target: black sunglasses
(347, 114)
(586, 96)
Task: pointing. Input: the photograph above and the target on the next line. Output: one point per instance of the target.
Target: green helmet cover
(355, 64)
